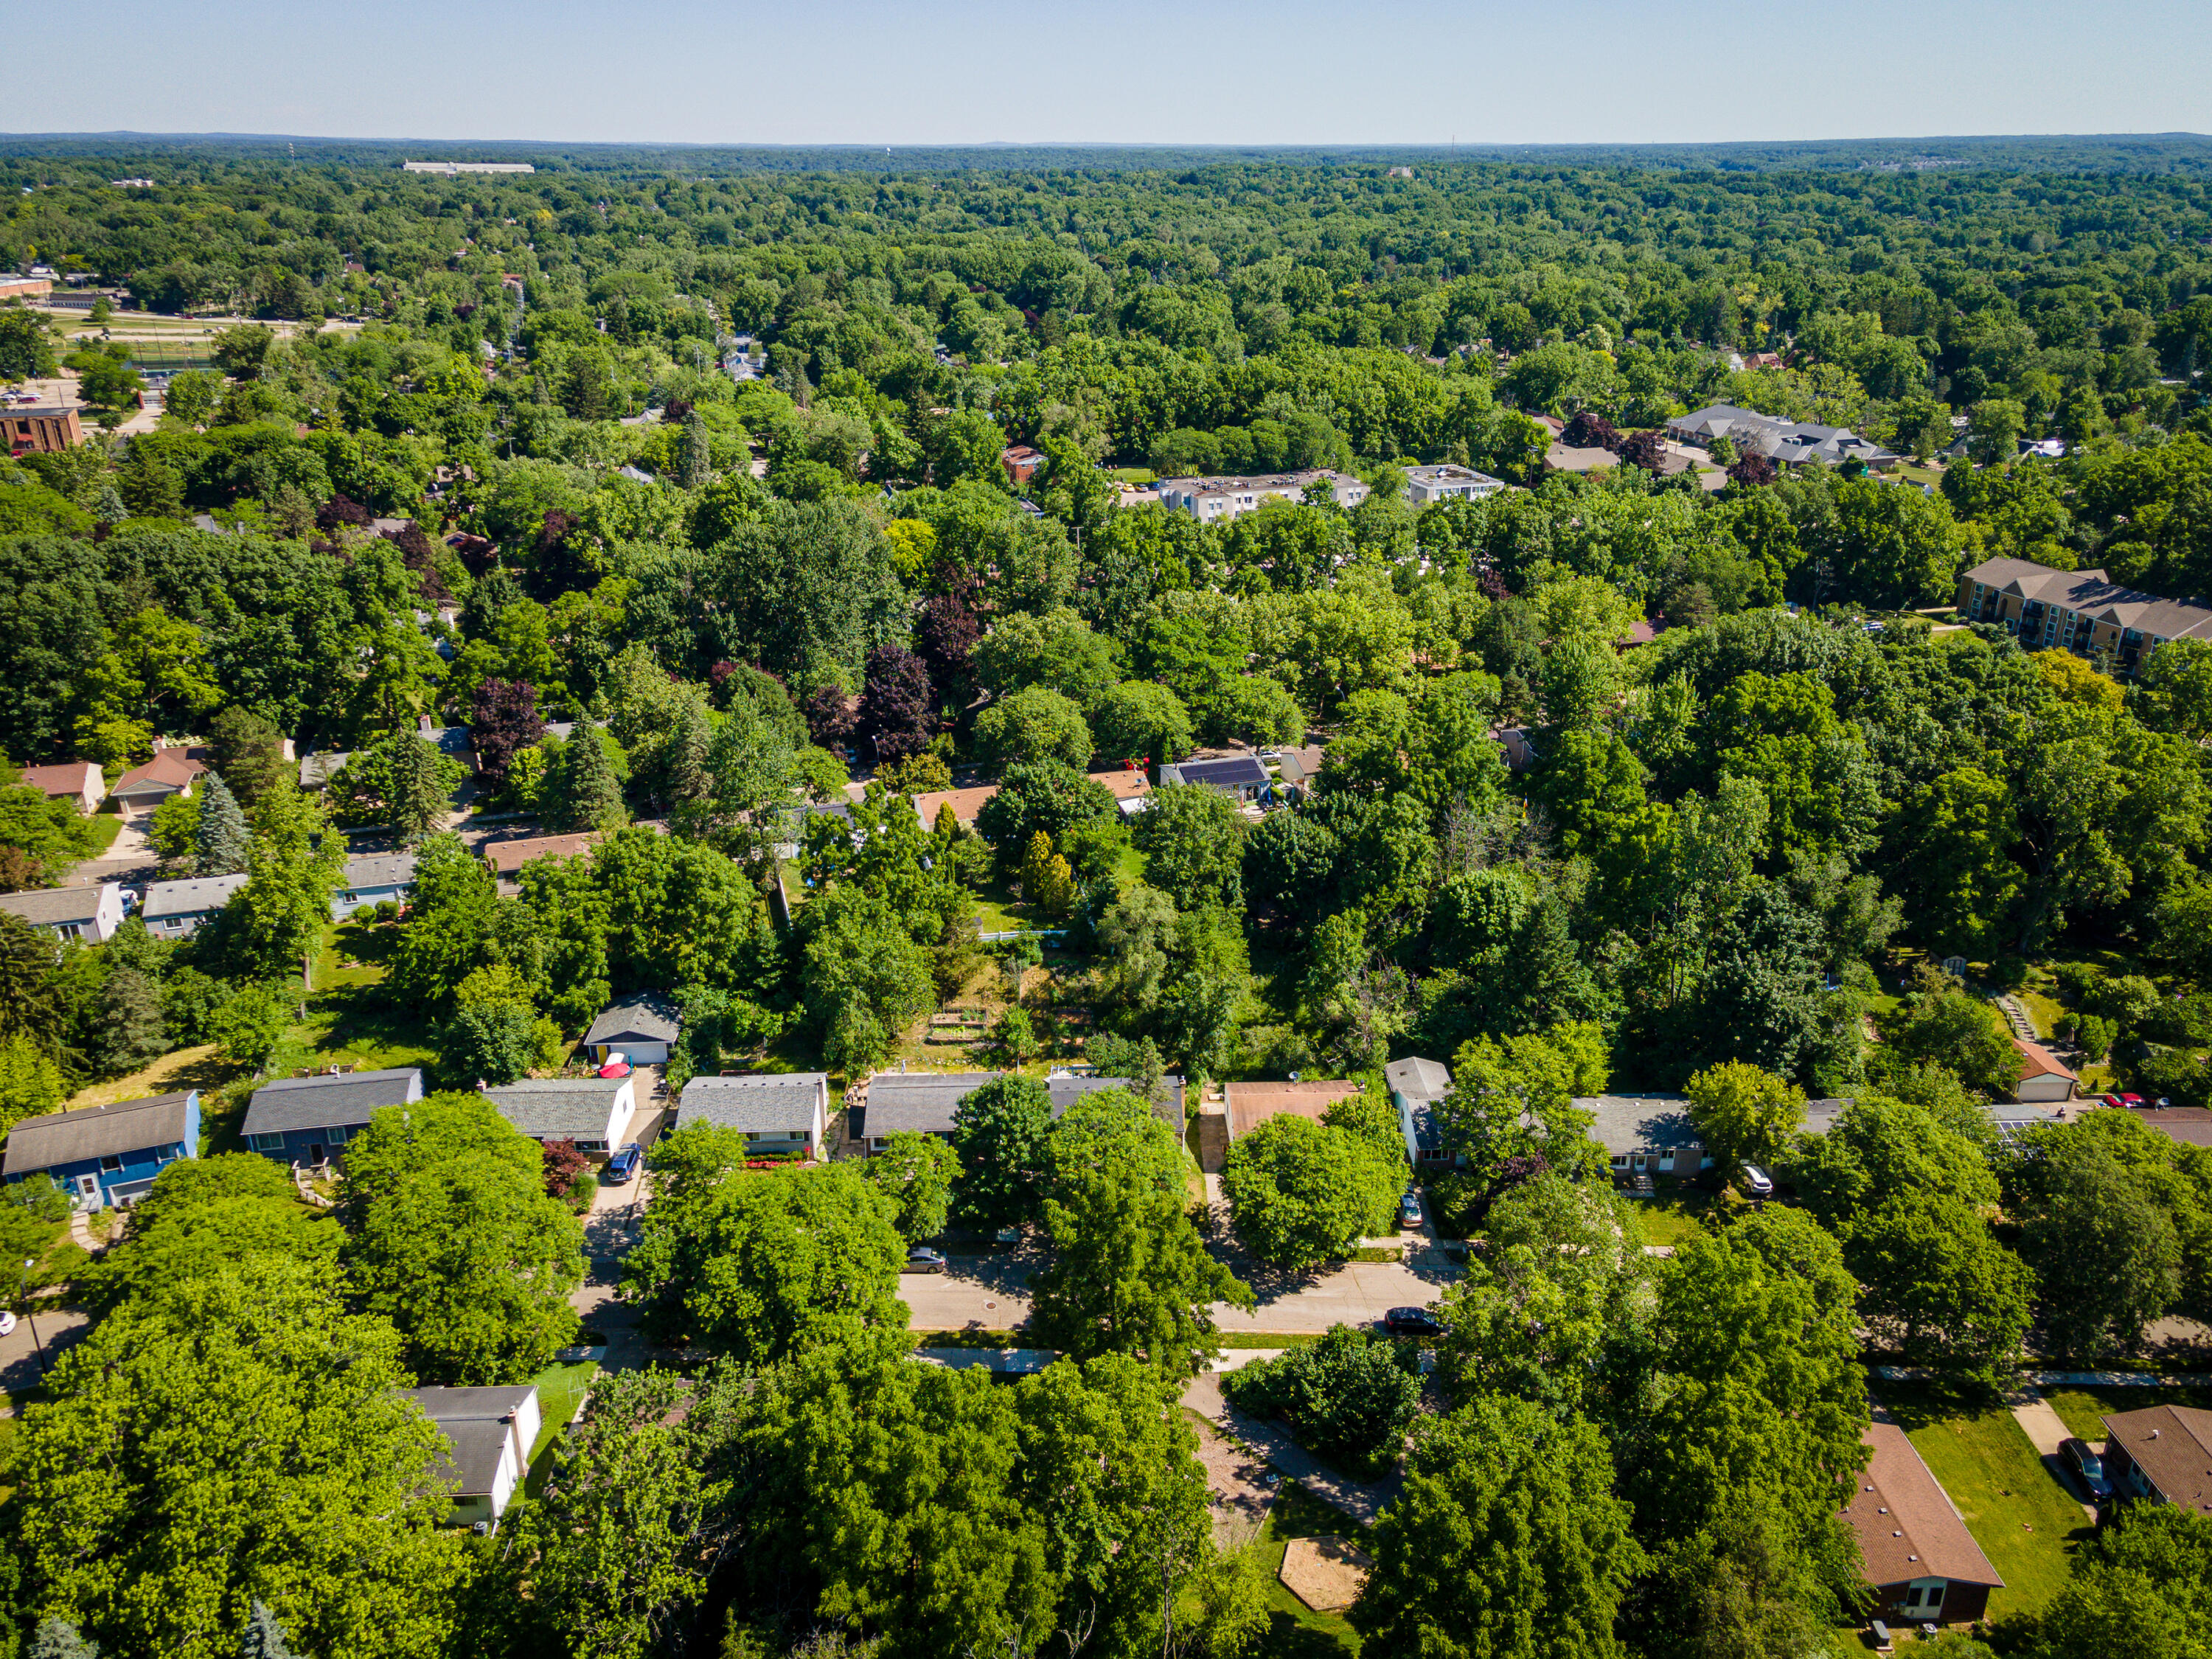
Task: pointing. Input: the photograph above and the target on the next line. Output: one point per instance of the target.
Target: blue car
(623, 1164)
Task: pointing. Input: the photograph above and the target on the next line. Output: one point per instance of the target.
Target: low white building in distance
(1211, 501)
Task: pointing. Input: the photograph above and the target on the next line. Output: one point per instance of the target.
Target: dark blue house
(308, 1120)
(104, 1155)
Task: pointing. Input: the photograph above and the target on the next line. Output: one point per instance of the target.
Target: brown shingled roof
(2173, 1445)
(1905, 1522)
(1251, 1104)
(2036, 1061)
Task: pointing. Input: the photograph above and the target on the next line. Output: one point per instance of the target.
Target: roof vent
(1912, 1557)
(1897, 1534)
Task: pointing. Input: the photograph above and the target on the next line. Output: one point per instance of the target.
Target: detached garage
(642, 1030)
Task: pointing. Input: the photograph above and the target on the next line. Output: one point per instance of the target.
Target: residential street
(987, 1293)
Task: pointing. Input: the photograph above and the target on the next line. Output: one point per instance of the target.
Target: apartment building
(1212, 500)
(2084, 611)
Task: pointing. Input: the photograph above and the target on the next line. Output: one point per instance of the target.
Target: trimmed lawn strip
(559, 1388)
(2027, 1523)
(2082, 1408)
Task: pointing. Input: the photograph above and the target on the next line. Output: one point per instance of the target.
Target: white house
(1212, 500)
(488, 1435)
(2043, 1077)
(642, 1030)
(789, 1112)
(594, 1112)
(78, 782)
(90, 913)
(1446, 482)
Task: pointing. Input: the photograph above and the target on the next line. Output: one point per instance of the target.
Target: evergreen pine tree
(108, 506)
(414, 791)
(58, 1638)
(693, 464)
(223, 840)
(581, 791)
(264, 1637)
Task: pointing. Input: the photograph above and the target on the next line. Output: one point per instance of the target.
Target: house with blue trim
(105, 1155)
(372, 878)
(306, 1121)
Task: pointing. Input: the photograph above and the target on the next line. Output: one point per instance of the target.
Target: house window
(337, 1137)
(111, 1164)
(591, 1146)
(268, 1143)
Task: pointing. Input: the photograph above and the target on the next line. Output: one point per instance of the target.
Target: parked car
(2081, 1457)
(7, 1321)
(1757, 1182)
(1412, 1321)
(2134, 1102)
(923, 1259)
(623, 1164)
(1409, 1210)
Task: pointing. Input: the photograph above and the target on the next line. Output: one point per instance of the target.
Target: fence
(1046, 934)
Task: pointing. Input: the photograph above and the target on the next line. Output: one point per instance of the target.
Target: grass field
(2027, 1523)
(1295, 1630)
(1672, 1216)
(348, 1022)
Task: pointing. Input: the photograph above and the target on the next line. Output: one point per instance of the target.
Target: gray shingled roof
(1641, 1123)
(918, 1101)
(558, 1108)
(321, 1103)
(126, 1126)
(190, 898)
(379, 870)
(53, 905)
(1065, 1091)
(759, 1105)
(646, 1019)
(474, 1421)
(1418, 1079)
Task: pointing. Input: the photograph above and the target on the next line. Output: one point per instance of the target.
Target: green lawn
(348, 1022)
(1671, 1216)
(2082, 1409)
(1134, 475)
(1294, 1630)
(2027, 1523)
(105, 827)
(559, 1390)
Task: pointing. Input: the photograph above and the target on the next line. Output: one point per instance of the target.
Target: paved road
(21, 1362)
(988, 1293)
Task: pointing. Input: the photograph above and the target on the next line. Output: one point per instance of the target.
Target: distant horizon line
(873, 146)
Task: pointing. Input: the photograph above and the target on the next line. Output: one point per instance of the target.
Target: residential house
(1914, 1549)
(1217, 500)
(1021, 463)
(1250, 1105)
(1131, 789)
(1300, 766)
(909, 1102)
(454, 742)
(41, 429)
(1416, 1086)
(1786, 443)
(1520, 746)
(642, 1030)
(965, 805)
(89, 913)
(505, 859)
(104, 1155)
(2043, 1077)
(374, 878)
(2163, 1454)
(1241, 776)
(2084, 611)
(488, 1435)
(142, 788)
(175, 910)
(1064, 1089)
(1448, 482)
(78, 782)
(306, 1121)
(790, 1113)
(594, 1112)
(1653, 1134)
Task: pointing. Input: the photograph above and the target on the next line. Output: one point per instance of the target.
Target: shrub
(1349, 1397)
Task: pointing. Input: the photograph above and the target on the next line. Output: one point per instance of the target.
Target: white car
(7, 1321)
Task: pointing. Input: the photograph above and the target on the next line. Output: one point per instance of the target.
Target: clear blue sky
(1203, 71)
